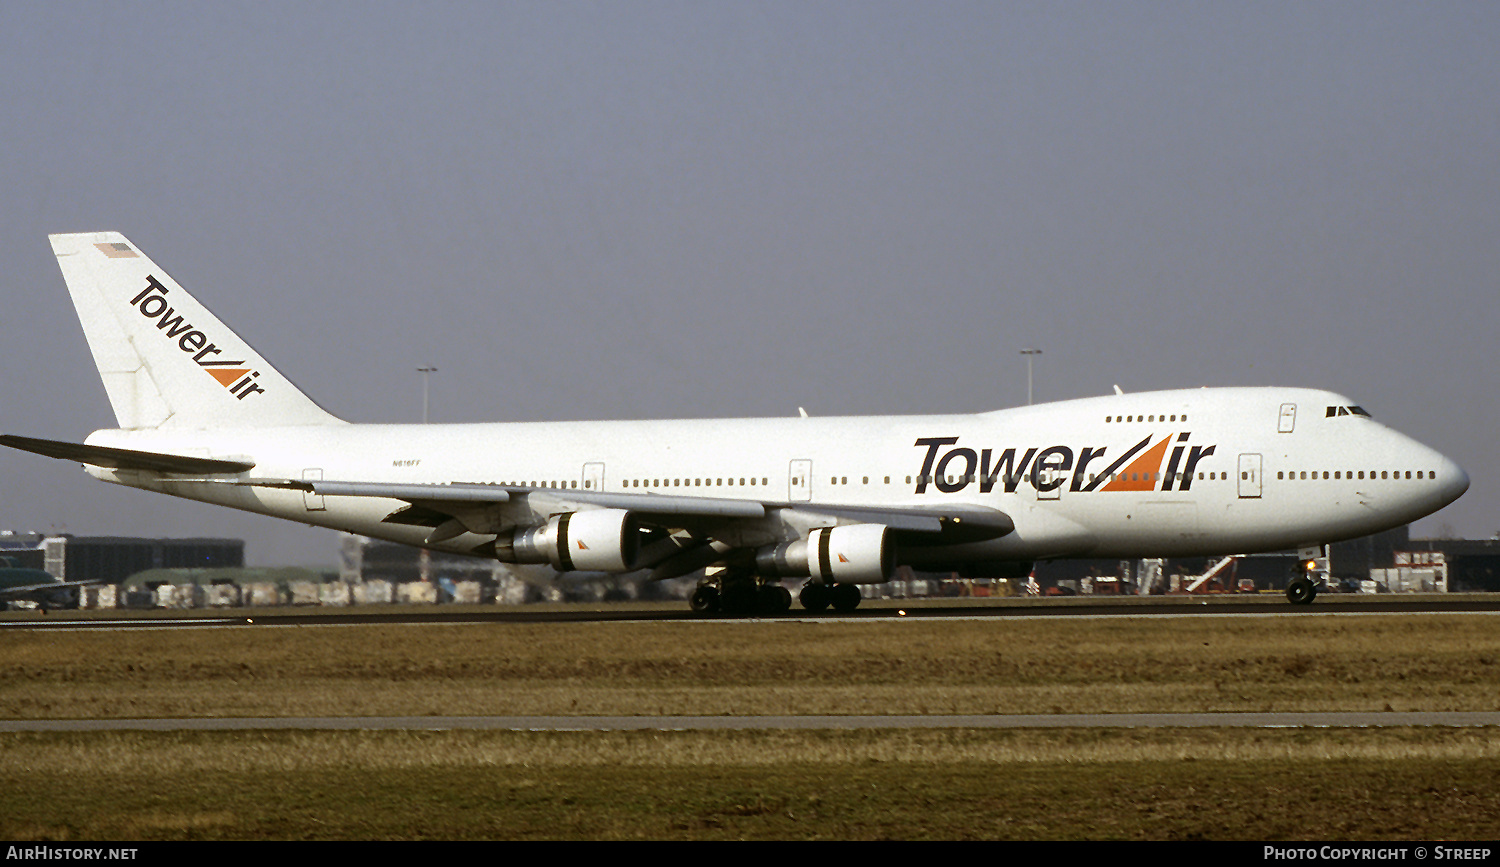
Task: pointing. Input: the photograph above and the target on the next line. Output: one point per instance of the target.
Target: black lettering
(1007, 462)
(949, 487)
(191, 341)
(173, 325)
(932, 445)
(1171, 473)
(1197, 454)
(150, 285)
(160, 304)
(1058, 458)
(1119, 462)
(1084, 457)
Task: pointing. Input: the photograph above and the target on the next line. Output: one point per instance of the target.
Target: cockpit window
(1346, 410)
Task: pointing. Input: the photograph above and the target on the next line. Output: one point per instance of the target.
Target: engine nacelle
(595, 540)
(855, 554)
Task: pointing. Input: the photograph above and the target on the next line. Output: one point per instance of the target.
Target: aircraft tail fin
(166, 361)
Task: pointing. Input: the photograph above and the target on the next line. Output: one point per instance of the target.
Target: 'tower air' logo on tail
(152, 304)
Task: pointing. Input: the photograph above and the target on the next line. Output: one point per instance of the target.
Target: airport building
(113, 559)
(211, 573)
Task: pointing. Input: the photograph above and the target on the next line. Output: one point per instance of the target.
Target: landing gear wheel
(773, 599)
(814, 597)
(705, 599)
(1301, 591)
(845, 597)
(738, 599)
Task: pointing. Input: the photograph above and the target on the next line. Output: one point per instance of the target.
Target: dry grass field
(1024, 784)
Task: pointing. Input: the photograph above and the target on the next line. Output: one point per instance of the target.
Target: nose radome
(1453, 479)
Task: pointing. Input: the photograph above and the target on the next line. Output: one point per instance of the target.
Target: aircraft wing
(435, 503)
(446, 499)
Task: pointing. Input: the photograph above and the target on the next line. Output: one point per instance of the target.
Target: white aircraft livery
(836, 501)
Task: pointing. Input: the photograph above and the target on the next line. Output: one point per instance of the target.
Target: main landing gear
(742, 595)
(818, 596)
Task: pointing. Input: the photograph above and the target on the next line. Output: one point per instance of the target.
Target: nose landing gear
(1310, 577)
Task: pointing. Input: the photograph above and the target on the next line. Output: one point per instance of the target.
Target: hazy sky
(636, 210)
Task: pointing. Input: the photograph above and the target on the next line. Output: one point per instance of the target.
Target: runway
(1457, 719)
(872, 610)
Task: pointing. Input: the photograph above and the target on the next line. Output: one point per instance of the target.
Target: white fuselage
(1174, 473)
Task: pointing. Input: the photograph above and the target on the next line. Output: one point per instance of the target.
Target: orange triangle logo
(226, 378)
(581, 546)
(1144, 470)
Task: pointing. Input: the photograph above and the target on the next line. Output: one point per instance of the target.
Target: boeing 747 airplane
(835, 501)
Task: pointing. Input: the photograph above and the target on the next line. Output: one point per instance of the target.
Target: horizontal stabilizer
(124, 459)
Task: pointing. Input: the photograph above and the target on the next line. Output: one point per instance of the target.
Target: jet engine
(595, 540)
(854, 554)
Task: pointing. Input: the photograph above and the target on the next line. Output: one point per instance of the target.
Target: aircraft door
(799, 482)
(313, 502)
(1250, 477)
(1288, 418)
(593, 476)
(1049, 483)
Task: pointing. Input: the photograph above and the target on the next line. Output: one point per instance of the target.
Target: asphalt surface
(1226, 606)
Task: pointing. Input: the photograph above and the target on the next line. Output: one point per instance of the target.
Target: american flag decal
(116, 250)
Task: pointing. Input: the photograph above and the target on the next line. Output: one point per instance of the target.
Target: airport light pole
(425, 371)
(1029, 352)
(424, 558)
